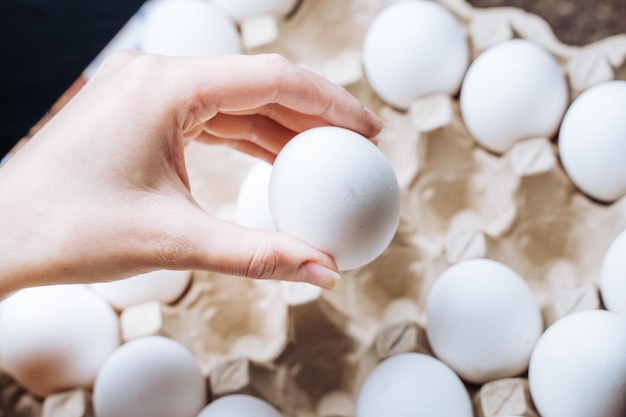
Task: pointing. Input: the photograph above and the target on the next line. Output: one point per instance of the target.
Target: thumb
(216, 245)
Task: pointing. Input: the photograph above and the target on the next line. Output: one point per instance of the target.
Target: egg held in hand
(335, 190)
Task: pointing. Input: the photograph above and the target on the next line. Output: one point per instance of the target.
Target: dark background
(45, 45)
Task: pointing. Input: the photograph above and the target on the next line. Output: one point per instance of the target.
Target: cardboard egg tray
(306, 350)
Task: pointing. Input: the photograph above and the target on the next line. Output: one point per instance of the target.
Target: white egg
(239, 406)
(592, 141)
(188, 28)
(253, 206)
(55, 338)
(578, 368)
(413, 384)
(613, 281)
(482, 320)
(335, 190)
(163, 285)
(513, 91)
(150, 377)
(412, 49)
(243, 9)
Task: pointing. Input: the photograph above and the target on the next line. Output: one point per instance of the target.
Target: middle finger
(255, 128)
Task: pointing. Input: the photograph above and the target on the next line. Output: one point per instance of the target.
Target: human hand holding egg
(117, 150)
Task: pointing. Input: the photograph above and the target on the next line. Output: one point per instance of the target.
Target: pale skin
(102, 192)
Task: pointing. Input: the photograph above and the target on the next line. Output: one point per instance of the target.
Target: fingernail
(319, 275)
(377, 122)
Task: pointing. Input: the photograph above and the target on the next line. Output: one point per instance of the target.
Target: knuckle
(263, 262)
(277, 63)
(278, 71)
(143, 67)
(137, 73)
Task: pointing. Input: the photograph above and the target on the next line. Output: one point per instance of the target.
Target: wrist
(33, 241)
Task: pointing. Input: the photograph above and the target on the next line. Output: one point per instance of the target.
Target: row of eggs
(513, 91)
(63, 337)
(482, 323)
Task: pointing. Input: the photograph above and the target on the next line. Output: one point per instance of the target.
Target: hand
(101, 191)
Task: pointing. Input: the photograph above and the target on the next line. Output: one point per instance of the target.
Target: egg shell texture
(188, 28)
(413, 384)
(613, 283)
(592, 141)
(164, 286)
(253, 206)
(243, 9)
(482, 320)
(412, 49)
(239, 405)
(513, 91)
(336, 191)
(55, 338)
(150, 377)
(578, 368)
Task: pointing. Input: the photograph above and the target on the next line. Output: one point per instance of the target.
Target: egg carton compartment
(308, 351)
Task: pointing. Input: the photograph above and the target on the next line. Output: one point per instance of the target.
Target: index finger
(241, 82)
